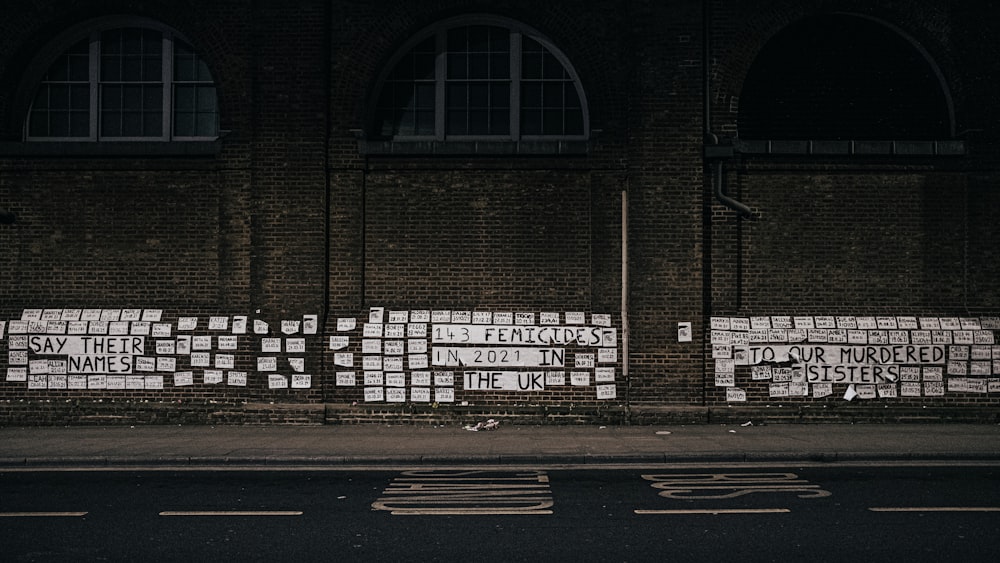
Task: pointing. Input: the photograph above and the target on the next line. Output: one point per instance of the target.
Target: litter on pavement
(490, 424)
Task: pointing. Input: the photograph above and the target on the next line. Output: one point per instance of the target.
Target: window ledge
(850, 148)
(475, 148)
(110, 149)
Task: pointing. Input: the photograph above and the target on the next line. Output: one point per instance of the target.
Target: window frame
(91, 32)
(439, 31)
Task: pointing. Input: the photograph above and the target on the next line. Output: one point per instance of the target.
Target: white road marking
(231, 513)
(42, 514)
(717, 511)
(466, 512)
(935, 509)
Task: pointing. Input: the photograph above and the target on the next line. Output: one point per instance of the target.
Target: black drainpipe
(714, 153)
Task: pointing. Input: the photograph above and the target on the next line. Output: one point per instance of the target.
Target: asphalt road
(736, 513)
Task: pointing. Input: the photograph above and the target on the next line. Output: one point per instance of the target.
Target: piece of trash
(601, 427)
(663, 432)
(850, 393)
(490, 424)
(747, 423)
(732, 432)
(341, 498)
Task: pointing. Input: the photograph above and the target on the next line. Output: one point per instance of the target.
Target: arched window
(481, 78)
(843, 77)
(133, 82)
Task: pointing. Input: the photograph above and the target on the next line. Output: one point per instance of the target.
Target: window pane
(572, 99)
(455, 97)
(531, 66)
(457, 65)
(79, 98)
(184, 124)
(152, 124)
(500, 65)
(479, 65)
(553, 95)
(131, 124)
(184, 68)
(152, 98)
(425, 96)
(479, 96)
(79, 124)
(479, 122)
(131, 41)
(574, 122)
(553, 68)
(206, 99)
(131, 68)
(207, 124)
(552, 122)
(79, 66)
(479, 38)
(111, 97)
(152, 69)
(38, 124)
(59, 71)
(456, 123)
(458, 39)
(111, 69)
(531, 95)
(531, 122)
(59, 124)
(59, 97)
(184, 97)
(500, 122)
(425, 123)
(132, 97)
(499, 39)
(423, 66)
(500, 95)
(111, 124)
(42, 99)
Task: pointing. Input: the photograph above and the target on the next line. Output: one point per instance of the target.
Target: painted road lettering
(434, 492)
(715, 486)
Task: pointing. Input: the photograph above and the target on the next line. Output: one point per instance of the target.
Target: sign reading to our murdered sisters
(875, 357)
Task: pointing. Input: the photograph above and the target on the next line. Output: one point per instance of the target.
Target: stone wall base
(117, 413)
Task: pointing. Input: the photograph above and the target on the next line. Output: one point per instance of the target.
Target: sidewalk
(286, 446)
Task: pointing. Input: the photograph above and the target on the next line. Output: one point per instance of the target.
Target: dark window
(125, 83)
(480, 81)
(842, 77)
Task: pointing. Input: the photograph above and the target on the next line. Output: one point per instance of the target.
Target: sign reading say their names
(82, 345)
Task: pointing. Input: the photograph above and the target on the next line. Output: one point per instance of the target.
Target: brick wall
(289, 216)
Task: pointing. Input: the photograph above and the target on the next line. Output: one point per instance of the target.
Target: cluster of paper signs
(137, 349)
(874, 357)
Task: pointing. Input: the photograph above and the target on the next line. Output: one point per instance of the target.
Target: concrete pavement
(336, 445)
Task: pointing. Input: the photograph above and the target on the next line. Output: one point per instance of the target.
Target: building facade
(621, 212)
